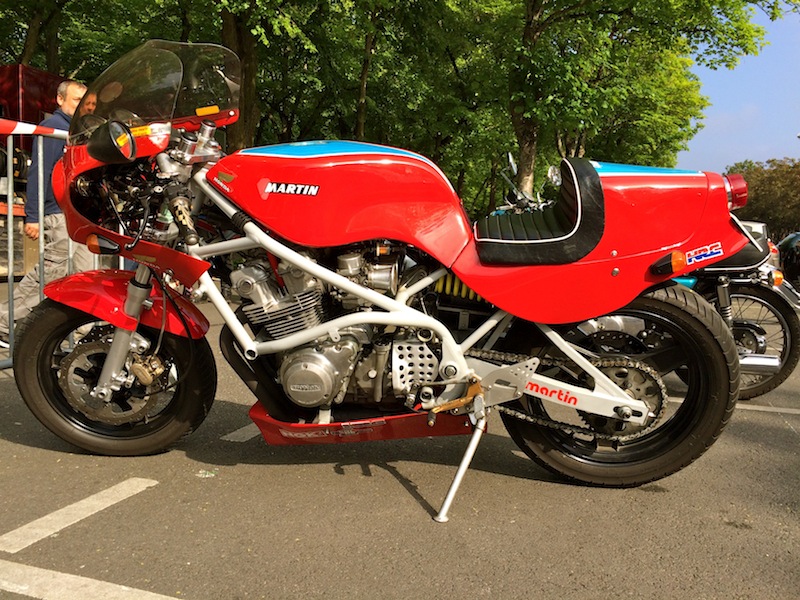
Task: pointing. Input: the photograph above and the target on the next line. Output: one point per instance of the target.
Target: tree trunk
(493, 188)
(361, 109)
(571, 144)
(526, 128)
(460, 181)
(51, 42)
(32, 38)
(528, 143)
(186, 24)
(237, 35)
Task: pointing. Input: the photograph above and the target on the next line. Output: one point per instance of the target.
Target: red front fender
(102, 294)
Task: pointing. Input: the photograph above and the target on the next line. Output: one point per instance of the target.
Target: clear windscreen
(161, 82)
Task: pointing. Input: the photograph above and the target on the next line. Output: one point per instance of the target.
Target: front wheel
(58, 357)
(667, 330)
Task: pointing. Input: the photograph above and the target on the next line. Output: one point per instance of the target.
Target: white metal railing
(39, 134)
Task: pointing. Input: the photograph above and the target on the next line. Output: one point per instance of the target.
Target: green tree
(642, 105)
(460, 81)
(416, 76)
(563, 42)
(773, 193)
(79, 39)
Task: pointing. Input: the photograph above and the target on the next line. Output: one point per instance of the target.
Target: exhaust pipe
(759, 364)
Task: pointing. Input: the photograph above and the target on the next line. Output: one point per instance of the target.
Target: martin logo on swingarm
(555, 393)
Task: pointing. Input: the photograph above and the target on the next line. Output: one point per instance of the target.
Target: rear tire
(57, 358)
(672, 328)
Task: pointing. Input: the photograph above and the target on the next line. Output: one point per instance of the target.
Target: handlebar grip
(179, 206)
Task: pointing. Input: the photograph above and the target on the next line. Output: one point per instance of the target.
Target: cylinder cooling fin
(289, 315)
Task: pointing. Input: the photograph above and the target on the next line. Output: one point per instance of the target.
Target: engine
(282, 300)
(318, 375)
(278, 311)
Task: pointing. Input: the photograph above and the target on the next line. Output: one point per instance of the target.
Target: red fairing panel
(332, 193)
(648, 213)
(395, 427)
(102, 294)
(76, 160)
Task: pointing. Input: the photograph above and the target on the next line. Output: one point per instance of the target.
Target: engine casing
(315, 376)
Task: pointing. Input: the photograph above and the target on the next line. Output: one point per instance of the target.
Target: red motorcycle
(371, 308)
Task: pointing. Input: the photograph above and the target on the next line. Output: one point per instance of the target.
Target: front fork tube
(724, 300)
(114, 365)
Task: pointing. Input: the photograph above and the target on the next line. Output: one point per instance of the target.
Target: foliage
(566, 47)
(773, 193)
(643, 104)
(460, 81)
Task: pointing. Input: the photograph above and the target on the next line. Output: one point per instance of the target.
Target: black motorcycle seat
(560, 233)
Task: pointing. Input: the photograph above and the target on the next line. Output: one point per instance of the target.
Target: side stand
(480, 429)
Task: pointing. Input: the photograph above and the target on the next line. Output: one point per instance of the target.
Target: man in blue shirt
(51, 224)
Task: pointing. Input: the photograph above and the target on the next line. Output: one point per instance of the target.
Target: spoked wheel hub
(750, 338)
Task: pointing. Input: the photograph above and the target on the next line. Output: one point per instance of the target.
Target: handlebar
(180, 207)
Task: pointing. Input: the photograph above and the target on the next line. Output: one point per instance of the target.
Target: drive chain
(507, 358)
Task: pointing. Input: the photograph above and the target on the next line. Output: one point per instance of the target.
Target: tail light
(773, 249)
(736, 187)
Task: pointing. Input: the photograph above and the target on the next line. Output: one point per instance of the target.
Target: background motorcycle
(371, 309)
(760, 307)
(789, 250)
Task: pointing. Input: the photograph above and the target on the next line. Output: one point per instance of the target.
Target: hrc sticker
(704, 253)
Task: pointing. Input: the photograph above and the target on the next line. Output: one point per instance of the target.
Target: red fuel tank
(332, 193)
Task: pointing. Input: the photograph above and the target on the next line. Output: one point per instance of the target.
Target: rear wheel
(665, 330)
(58, 357)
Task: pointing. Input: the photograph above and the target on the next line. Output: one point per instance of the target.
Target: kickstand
(480, 428)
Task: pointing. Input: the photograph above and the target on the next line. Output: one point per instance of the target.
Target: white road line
(248, 432)
(52, 585)
(29, 534)
(774, 409)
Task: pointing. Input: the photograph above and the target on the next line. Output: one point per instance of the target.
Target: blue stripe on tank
(620, 169)
(320, 148)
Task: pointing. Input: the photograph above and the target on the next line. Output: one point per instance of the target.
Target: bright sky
(755, 108)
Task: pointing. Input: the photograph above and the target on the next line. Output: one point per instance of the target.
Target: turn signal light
(101, 245)
(736, 186)
(776, 277)
(673, 262)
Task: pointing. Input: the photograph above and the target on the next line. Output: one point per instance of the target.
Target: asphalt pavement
(226, 516)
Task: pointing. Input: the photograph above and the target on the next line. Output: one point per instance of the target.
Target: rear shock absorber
(724, 299)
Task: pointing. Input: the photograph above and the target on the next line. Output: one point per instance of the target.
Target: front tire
(57, 359)
(671, 328)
